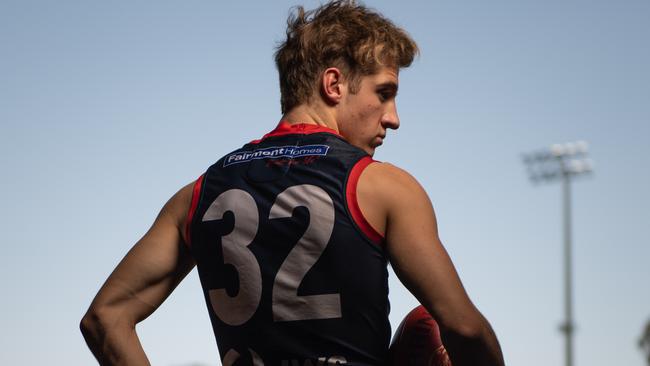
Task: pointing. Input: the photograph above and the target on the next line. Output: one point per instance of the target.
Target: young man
(292, 233)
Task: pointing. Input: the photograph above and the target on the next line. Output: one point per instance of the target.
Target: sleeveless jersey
(292, 273)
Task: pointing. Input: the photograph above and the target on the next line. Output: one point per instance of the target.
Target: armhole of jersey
(353, 203)
(196, 194)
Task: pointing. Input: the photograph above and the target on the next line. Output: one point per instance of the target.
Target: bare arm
(139, 284)
(422, 263)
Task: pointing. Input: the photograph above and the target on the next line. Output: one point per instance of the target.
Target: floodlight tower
(562, 162)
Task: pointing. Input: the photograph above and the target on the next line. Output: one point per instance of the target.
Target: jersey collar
(285, 128)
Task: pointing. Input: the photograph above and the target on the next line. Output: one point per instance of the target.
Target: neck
(310, 114)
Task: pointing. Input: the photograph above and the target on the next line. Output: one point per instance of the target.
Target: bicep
(152, 268)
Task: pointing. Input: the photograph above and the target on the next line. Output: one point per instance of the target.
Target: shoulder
(390, 171)
(179, 203)
(386, 191)
(390, 180)
(175, 211)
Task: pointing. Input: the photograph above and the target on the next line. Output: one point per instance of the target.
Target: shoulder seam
(196, 194)
(352, 203)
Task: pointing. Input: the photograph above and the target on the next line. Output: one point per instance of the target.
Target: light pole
(562, 162)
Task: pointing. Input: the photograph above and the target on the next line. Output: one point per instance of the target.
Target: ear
(332, 86)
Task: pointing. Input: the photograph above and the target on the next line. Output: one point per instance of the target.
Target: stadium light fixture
(562, 162)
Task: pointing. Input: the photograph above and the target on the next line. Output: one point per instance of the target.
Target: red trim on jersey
(196, 192)
(353, 204)
(285, 128)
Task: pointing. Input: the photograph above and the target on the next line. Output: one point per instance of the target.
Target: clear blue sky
(107, 108)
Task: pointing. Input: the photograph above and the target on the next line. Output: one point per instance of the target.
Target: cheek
(369, 111)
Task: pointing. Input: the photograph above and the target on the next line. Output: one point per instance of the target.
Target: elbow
(91, 325)
(471, 341)
(468, 328)
(98, 321)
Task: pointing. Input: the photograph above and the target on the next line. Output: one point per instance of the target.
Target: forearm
(113, 343)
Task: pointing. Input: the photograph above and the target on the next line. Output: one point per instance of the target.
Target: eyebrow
(390, 85)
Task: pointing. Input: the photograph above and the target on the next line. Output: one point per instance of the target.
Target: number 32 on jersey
(287, 305)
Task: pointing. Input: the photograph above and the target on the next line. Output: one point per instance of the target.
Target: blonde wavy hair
(340, 34)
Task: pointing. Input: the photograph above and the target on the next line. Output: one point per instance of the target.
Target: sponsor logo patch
(276, 152)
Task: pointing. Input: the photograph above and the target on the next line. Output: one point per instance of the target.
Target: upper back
(289, 268)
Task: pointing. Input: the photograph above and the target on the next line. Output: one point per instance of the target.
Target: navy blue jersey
(292, 273)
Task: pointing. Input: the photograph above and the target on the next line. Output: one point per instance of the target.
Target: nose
(390, 118)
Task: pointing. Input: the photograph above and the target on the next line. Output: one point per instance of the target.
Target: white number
(238, 309)
(287, 305)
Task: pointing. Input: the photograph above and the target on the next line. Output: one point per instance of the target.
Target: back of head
(339, 34)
